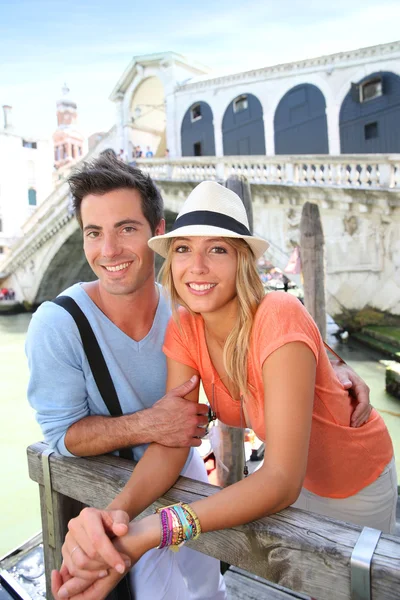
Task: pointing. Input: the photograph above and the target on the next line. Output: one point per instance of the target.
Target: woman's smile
(200, 288)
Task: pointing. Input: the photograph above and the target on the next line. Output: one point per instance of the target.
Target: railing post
(169, 171)
(385, 175)
(220, 169)
(289, 172)
(56, 510)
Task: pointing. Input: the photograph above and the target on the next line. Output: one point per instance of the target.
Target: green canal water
(19, 509)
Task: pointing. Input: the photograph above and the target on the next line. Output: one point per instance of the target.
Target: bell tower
(68, 141)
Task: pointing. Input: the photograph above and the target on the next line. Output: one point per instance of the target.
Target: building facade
(25, 178)
(338, 104)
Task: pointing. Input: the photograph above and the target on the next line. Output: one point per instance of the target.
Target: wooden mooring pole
(231, 439)
(313, 264)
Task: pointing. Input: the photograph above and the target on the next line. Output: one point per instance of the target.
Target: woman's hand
(92, 585)
(64, 585)
(88, 546)
(79, 564)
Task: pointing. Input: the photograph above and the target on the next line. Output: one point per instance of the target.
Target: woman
(263, 365)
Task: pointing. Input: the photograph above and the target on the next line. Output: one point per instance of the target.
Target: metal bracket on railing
(360, 563)
(48, 498)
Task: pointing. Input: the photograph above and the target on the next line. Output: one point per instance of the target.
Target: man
(119, 209)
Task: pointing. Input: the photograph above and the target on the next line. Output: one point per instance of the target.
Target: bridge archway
(197, 131)
(369, 120)
(67, 267)
(300, 125)
(243, 127)
(147, 117)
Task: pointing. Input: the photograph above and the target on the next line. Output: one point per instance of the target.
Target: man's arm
(172, 422)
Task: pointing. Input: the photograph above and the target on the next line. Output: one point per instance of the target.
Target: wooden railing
(296, 549)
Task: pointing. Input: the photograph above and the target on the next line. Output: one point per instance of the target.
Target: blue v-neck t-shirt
(62, 389)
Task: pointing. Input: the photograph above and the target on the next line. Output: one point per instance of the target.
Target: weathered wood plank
(241, 585)
(298, 550)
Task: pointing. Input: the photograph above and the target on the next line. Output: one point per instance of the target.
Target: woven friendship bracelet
(179, 524)
(195, 519)
(164, 530)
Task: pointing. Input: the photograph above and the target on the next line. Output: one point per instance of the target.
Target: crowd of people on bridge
(137, 152)
(7, 294)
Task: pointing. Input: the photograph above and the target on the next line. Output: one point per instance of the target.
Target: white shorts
(374, 506)
(183, 575)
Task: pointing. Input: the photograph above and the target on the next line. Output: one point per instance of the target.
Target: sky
(89, 43)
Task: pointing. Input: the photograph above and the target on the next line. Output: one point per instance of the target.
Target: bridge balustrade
(364, 171)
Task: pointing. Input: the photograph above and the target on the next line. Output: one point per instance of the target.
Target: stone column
(268, 118)
(119, 119)
(219, 145)
(332, 118)
(172, 128)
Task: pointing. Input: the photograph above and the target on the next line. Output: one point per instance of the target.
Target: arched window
(243, 127)
(32, 197)
(300, 125)
(197, 131)
(369, 118)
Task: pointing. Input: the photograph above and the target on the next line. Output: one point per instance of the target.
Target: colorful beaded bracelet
(179, 524)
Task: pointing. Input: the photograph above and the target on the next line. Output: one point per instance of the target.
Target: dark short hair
(108, 173)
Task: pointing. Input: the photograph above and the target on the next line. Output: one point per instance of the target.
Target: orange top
(342, 459)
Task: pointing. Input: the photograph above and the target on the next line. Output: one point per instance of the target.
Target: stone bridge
(358, 196)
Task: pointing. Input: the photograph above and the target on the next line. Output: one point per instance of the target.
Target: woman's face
(204, 272)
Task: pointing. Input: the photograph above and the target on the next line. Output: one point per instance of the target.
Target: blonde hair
(250, 292)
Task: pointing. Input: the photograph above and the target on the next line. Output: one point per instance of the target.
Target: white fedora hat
(211, 210)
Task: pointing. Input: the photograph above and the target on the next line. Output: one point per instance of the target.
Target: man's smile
(120, 267)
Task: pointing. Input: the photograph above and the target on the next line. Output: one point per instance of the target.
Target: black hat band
(215, 219)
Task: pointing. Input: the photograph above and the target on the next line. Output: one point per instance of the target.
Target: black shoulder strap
(96, 361)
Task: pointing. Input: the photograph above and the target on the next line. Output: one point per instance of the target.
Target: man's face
(115, 236)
